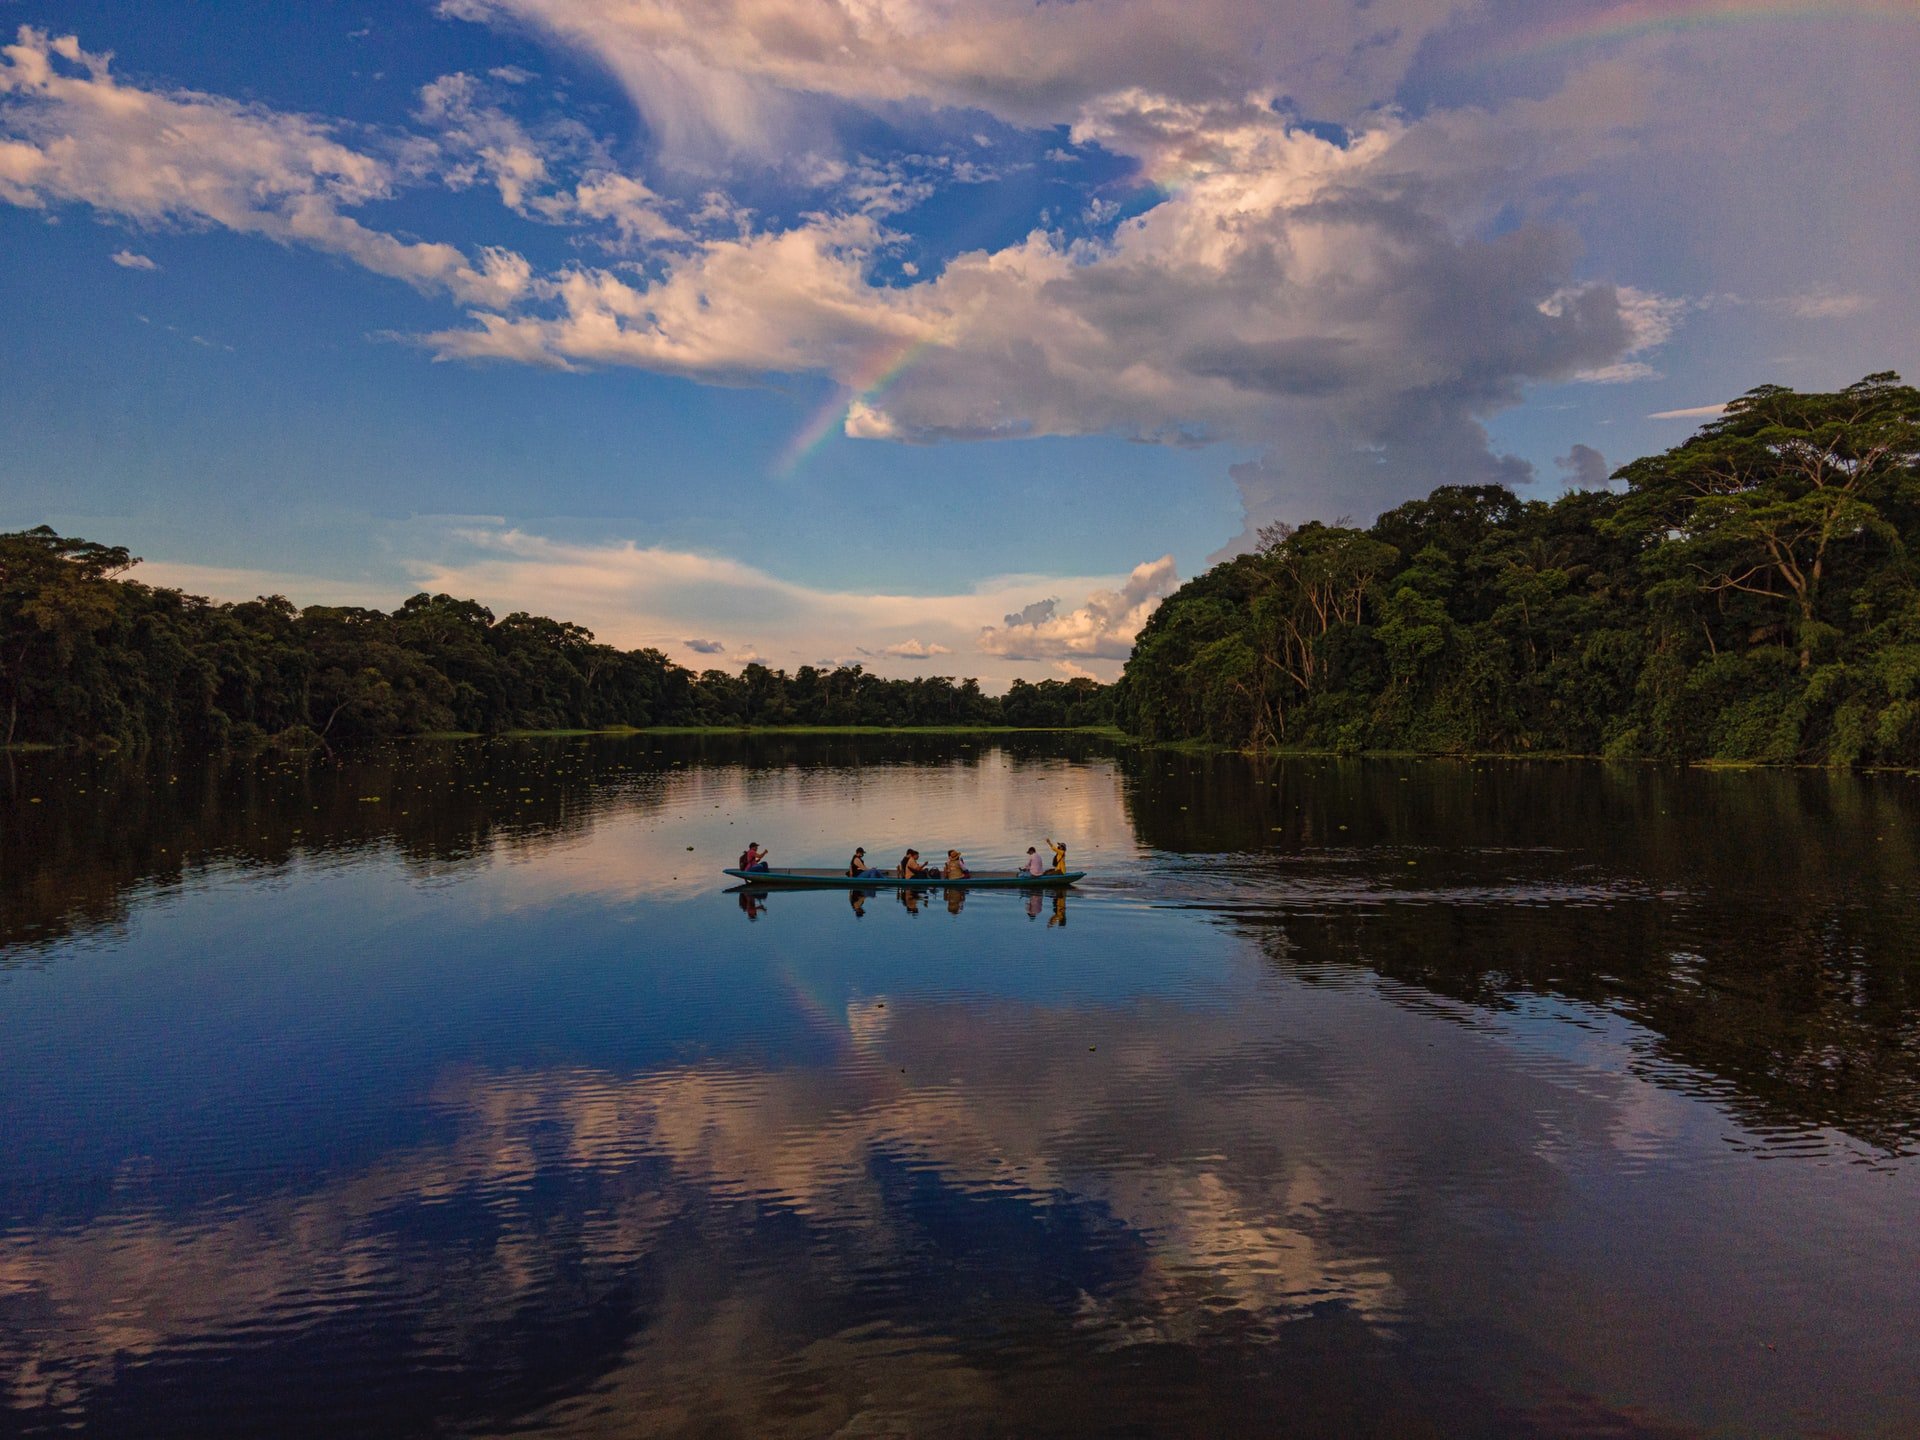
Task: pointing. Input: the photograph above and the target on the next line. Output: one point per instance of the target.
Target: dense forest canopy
(1748, 595)
(89, 656)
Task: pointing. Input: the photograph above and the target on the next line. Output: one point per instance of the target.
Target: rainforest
(1750, 595)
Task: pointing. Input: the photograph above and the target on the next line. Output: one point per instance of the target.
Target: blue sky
(542, 300)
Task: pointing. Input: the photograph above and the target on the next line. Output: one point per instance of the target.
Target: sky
(937, 336)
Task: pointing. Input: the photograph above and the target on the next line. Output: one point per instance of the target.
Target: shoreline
(1103, 732)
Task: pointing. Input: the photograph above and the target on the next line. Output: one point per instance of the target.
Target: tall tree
(1759, 500)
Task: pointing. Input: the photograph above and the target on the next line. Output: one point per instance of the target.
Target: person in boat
(1059, 857)
(956, 867)
(753, 857)
(1035, 866)
(910, 866)
(857, 867)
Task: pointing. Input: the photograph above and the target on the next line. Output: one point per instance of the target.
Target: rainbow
(1630, 18)
(872, 380)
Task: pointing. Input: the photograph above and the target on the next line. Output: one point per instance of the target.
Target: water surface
(451, 1090)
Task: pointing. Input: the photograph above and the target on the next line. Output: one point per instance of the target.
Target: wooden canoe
(839, 879)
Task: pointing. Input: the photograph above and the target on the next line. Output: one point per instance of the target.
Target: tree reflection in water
(1760, 923)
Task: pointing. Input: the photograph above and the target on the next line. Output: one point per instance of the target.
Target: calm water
(450, 1092)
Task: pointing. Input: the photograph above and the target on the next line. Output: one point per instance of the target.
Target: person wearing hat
(956, 867)
(910, 866)
(857, 866)
(1035, 866)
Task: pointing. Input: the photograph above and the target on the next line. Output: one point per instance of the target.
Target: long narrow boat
(840, 880)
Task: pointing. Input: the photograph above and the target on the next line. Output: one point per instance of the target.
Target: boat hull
(836, 880)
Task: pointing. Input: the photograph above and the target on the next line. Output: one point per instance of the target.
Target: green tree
(1760, 501)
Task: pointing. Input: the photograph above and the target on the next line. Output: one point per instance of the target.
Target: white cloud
(1824, 305)
(1318, 297)
(723, 77)
(1622, 372)
(913, 649)
(632, 595)
(1349, 305)
(128, 260)
(1102, 628)
(1697, 412)
(1292, 282)
(222, 583)
(487, 145)
(77, 135)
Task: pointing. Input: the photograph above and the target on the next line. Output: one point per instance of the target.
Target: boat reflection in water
(1051, 901)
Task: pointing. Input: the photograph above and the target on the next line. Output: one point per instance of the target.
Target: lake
(452, 1090)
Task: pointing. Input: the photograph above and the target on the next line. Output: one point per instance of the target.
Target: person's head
(953, 854)
(859, 850)
(753, 844)
(1032, 851)
(913, 852)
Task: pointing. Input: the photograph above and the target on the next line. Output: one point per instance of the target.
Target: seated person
(1034, 866)
(956, 867)
(857, 866)
(753, 857)
(1059, 858)
(910, 866)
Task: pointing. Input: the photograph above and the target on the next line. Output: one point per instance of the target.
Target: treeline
(87, 656)
(1751, 595)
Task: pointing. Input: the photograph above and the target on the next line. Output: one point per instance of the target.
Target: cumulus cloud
(1316, 297)
(1349, 303)
(911, 649)
(1103, 628)
(74, 134)
(1824, 305)
(727, 76)
(481, 143)
(1585, 468)
(1297, 293)
(1696, 412)
(128, 260)
(634, 595)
